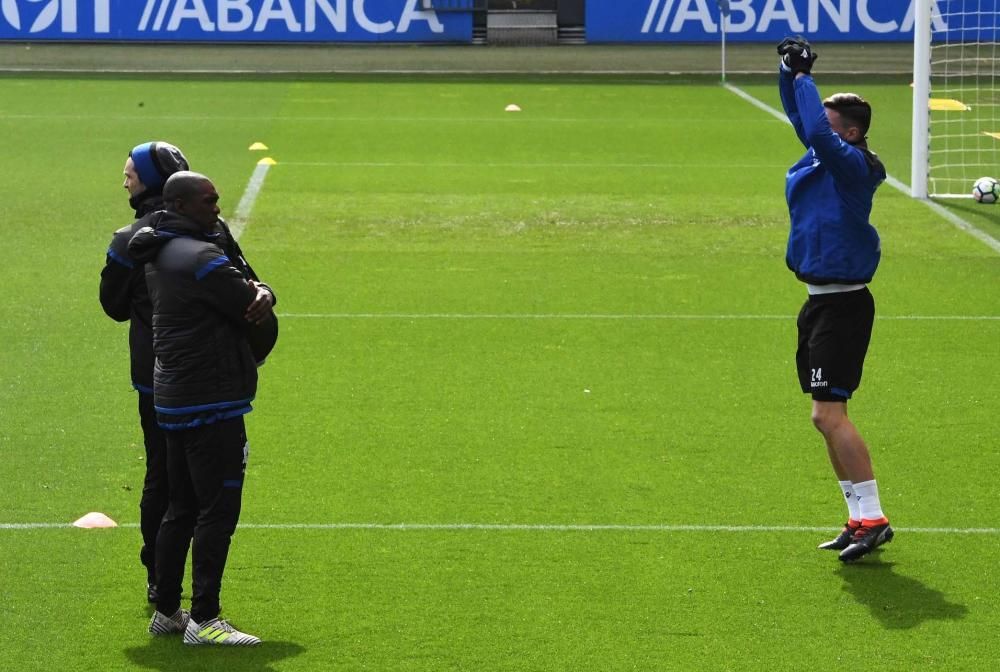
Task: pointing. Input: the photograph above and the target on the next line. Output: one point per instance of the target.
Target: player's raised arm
(796, 55)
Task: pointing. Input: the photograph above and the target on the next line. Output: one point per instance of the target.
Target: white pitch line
(538, 527)
(242, 216)
(548, 527)
(521, 316)
(374, 119)
(523, 164)
(573, 316)
(958, 222)
(633, 76)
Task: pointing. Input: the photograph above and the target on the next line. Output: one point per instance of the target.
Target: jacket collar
(174, 225)
(146, 202)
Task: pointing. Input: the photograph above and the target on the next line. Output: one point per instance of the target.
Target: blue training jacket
(829, 193)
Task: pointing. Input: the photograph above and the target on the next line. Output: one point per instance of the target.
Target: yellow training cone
(947, 105)
(258, 146)
(512, 108)
(267, 161)
(94, 520)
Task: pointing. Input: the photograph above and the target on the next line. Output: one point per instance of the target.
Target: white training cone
(94, 520)
(512, 108)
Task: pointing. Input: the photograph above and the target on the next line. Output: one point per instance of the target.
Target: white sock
(853, 510)
(867, 496)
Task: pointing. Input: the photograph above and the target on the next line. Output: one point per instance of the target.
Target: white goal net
(963, 100)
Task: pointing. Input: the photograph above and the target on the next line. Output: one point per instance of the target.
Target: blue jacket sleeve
(843, 161)
(786, 87)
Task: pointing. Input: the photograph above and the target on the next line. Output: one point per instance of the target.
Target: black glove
(796, 55)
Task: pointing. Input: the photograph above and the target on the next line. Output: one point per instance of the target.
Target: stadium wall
(379, 21)
(638, 21)
(231, 21)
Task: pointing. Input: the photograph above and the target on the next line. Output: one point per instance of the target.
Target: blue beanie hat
(155, 162)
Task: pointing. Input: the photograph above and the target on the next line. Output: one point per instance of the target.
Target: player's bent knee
(821, 422)
(827, 416)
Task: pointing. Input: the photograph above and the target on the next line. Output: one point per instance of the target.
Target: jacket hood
(160, 228)
(146, 244)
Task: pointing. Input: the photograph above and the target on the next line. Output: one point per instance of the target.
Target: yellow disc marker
(257, 147)
(947, 105)
(267, 161)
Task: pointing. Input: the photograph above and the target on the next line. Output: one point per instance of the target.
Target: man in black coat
(204, 381)
(124, 297)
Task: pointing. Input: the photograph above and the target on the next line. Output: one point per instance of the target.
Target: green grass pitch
(576, 315)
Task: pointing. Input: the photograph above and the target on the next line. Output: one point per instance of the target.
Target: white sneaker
(169, 625)
(217, 632)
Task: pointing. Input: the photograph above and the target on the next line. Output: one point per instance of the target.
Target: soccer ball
(986, 190)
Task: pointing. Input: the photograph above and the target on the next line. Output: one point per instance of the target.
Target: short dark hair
(853, 108)
(182, 186)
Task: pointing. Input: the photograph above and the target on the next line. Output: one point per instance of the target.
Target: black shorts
(834, 332)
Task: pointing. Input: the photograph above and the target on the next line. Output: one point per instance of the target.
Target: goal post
(921, 96)
(956, 96)
(723, 21)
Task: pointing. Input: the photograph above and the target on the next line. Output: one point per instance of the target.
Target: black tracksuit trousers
(206, 465)
(155, 491)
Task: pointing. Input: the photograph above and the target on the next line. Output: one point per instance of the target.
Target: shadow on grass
(898, 602)
(983, 216)
(168, 654)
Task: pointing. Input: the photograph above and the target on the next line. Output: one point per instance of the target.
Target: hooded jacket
(205, 370)
(829, 193)
(124, 295)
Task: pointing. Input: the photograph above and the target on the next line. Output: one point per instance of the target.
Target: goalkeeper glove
(796, 55)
